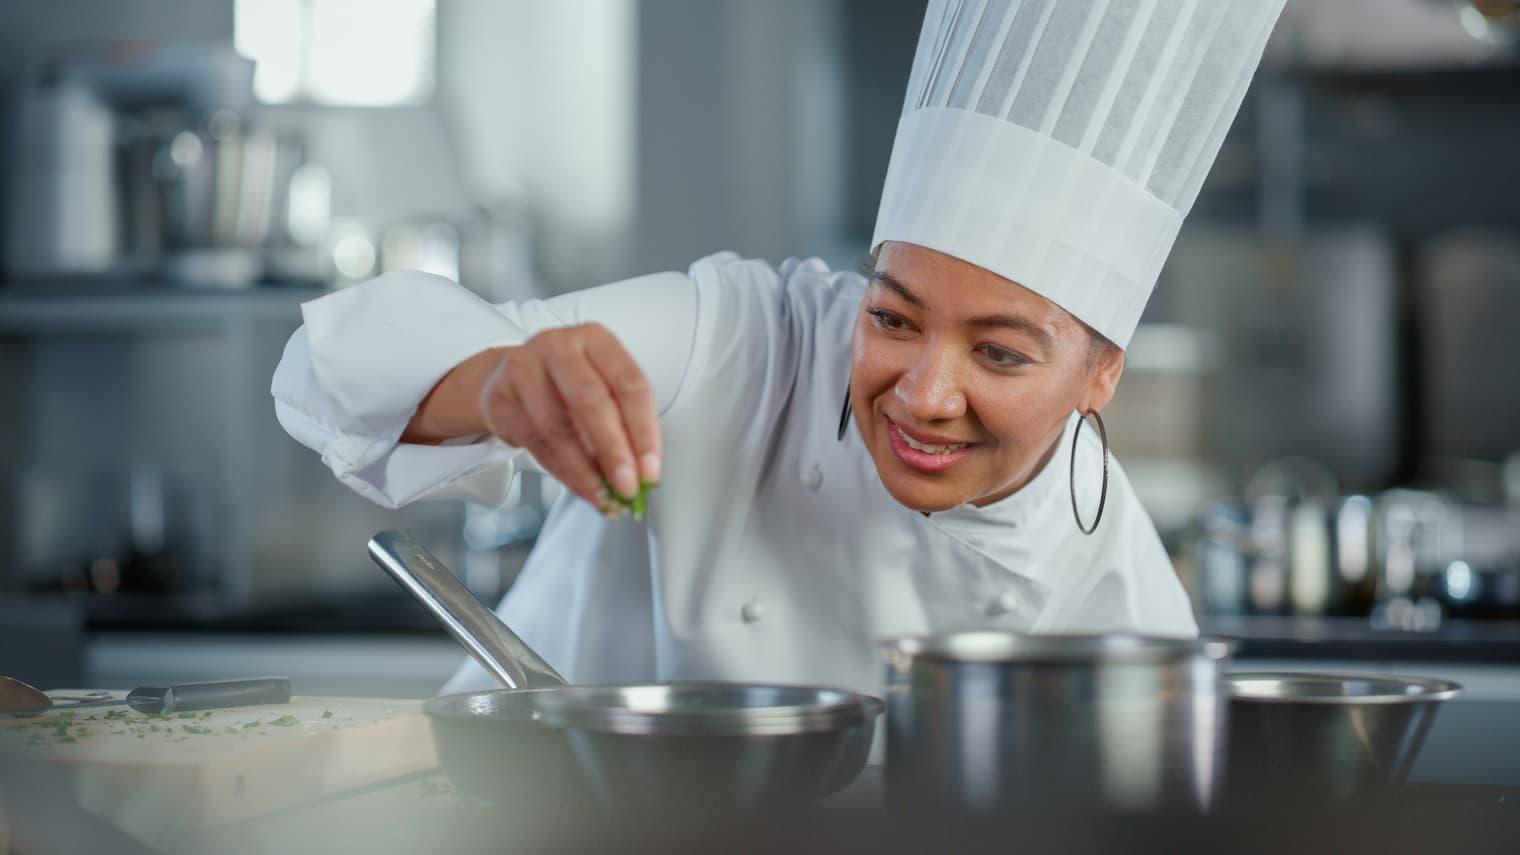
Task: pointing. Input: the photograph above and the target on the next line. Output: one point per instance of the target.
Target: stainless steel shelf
(74, 310)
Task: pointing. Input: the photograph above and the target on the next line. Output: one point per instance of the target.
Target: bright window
(369, 53)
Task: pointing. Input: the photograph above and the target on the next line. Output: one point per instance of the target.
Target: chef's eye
(889, 321)
(1000, 357)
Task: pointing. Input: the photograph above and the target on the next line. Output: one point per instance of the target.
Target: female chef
(840, 458)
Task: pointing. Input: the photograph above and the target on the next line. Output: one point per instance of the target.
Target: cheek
(872, 363)
(1020, 411)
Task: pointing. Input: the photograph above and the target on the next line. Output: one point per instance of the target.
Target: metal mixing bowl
(1312, 736)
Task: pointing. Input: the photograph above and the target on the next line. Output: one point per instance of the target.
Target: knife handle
(211, 695)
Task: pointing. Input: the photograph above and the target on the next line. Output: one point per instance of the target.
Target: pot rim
(692, 707)
(999, 647)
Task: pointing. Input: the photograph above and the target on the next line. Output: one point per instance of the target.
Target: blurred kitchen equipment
(1218, 548)
(981, 722)
(143, 158)
(1305, 549)
(1308, 344)
(707, 748)
(1470, 590)
(1418, 535)
(120, 529)
(1466, 305)
(209, 193)
(60, 210)
(496, 257)
(19, 699)
(1495, 23)
(487, 252)
(429, 247)
(1290, 569)
(1302, 737)
(63, 210)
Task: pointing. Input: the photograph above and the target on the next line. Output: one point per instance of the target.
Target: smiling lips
(917, 452)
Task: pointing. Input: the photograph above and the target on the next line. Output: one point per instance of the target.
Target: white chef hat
(1059, 143)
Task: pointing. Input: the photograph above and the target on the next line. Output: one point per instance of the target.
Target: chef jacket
(771, 552)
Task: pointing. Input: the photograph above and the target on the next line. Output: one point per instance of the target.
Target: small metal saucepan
(541, 749)
(988, 723)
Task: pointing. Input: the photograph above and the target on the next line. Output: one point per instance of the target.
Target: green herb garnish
(636, 505)
(285, 721)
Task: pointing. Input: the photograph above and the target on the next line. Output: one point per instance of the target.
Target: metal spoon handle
(482, 634)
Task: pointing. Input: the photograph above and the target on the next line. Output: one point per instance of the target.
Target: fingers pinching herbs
(577, 400)
(592, 406)
(635, 398)
(540, 427)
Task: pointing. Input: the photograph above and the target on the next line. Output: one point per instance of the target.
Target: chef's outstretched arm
(412, 387)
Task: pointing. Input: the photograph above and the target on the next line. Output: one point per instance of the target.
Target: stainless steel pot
(539, 748)
(984, 722)
(1326, 736)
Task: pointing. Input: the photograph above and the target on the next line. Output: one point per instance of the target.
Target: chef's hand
(577, 401)
(572, 397)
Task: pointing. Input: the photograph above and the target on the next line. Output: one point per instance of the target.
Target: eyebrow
(1011, 322)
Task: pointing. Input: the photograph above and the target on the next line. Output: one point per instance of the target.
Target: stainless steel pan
(540, 747)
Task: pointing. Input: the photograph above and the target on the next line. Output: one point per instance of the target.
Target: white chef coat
(771, 550)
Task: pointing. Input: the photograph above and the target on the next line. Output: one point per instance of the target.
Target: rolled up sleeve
(351, 378)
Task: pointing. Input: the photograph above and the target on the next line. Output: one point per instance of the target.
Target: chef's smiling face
(962, 380)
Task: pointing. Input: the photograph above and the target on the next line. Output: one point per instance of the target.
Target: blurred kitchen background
(1320, 410)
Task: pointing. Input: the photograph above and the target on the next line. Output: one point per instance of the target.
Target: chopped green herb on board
(285, 721)
(327, 713)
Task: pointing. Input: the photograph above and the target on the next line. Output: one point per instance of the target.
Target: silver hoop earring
(844, 414)
(1102, 497)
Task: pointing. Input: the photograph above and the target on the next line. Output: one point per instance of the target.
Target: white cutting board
(159, 778)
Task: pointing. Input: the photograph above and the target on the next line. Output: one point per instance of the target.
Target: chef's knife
(152, 700)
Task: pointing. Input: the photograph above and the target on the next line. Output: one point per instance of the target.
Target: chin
(911, 492)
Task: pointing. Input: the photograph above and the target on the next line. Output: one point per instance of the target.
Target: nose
(931, 390)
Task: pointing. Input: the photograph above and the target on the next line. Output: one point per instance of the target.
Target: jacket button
(1005, 604)
(813, 478)
(751, 611)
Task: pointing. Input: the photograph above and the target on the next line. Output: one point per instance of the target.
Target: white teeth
(927, 448)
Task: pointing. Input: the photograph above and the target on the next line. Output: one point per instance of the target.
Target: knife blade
(183, 697)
